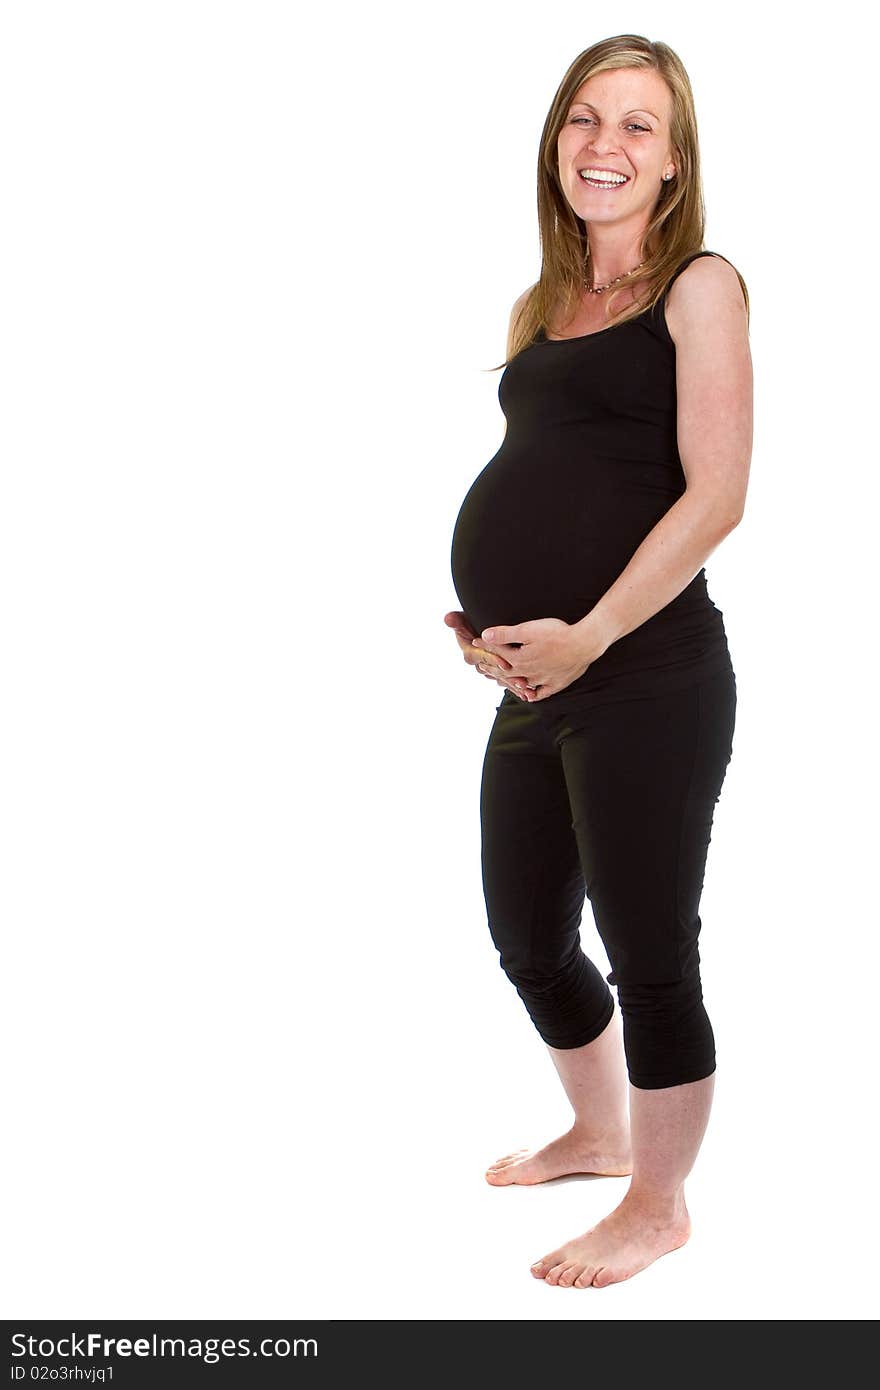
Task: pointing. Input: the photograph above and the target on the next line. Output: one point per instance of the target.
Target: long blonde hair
(676, 228)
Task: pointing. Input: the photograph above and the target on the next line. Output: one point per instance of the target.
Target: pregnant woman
(578, 558)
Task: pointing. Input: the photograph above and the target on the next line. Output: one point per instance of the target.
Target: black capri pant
(613, 802)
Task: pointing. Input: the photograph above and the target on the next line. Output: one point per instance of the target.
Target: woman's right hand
(487, 663)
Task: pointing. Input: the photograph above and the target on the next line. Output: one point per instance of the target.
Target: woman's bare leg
(596, 1083)
(667, 1129)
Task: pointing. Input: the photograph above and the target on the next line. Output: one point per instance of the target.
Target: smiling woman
(578, 554)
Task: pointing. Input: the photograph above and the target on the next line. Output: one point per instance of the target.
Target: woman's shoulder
(519, 305)
(700, 267)
(704, 282)
(515, 313)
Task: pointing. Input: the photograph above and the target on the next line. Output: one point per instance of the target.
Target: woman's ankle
(607, 1138)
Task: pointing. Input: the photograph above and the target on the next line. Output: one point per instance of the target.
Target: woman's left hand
(548, 652)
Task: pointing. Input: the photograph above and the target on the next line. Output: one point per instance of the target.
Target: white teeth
(598, 176)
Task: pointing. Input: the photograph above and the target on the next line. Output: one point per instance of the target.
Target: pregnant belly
(547, 542)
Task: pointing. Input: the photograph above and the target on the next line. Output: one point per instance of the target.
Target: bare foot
(629, 1239)
(572, 1153)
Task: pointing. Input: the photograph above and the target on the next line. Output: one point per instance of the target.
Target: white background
(257, 260)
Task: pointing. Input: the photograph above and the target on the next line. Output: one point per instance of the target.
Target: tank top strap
(683, 266)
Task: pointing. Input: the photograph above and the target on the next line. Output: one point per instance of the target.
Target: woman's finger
(493, 670)
(499, 680)
(480, 654)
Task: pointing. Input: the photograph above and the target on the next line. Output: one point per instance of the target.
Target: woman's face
(617, 121)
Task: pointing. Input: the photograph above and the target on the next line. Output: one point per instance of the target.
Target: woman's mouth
(603, 178)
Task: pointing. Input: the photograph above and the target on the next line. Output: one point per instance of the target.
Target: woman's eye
(633, 125)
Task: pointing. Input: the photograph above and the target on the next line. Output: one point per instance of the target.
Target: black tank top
(588, 466)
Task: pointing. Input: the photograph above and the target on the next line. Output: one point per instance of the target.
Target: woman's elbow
(721, 513)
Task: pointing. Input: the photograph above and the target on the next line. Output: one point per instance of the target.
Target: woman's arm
(706, 315)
